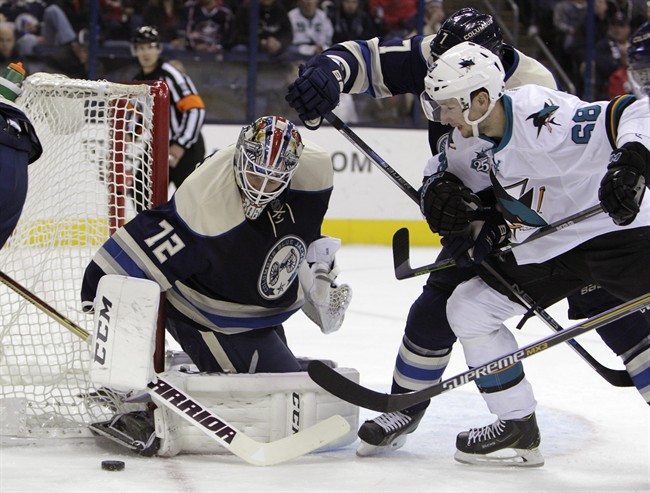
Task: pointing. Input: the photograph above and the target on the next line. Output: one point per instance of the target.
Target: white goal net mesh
(95, 173)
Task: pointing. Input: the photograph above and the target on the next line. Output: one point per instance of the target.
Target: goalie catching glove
(487, 233)
(317, 90)
(447, 204)
(325, 301)
(623, 186)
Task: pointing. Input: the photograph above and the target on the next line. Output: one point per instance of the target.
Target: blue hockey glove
(487, 232)
(447, 204)
(623, 186)
(317, 90)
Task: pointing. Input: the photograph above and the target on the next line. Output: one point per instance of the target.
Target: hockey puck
(112, 465)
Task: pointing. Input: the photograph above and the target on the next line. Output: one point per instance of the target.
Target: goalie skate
(135, 430)
(512, 442)
(387, 432)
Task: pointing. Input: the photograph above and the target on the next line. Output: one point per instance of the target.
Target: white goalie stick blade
(252, 451)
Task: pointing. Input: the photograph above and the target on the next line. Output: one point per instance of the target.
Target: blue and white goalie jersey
(549, 164)
(217, 268)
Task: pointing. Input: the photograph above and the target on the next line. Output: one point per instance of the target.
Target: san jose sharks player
(547, 153)
(382, 68)
(237, 251)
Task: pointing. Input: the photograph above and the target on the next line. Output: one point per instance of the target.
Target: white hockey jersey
(549, 164)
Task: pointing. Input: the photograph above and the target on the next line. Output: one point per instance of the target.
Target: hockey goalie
(267, 406)
(237, 251)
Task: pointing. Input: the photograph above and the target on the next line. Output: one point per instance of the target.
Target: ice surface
(595, 437)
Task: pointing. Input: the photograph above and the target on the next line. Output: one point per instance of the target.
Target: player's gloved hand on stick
(316, 91)
(447, 204)
(487, 232)
(623, 186)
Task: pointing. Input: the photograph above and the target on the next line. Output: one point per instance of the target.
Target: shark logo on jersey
(481, 162)
(544, 118)
(281, 267)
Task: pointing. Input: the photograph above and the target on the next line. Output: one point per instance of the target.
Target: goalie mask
(639, 61)
(456, 75)
(266, 158)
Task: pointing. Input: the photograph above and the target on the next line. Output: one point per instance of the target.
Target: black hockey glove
(623, 186)
(317, 90)
(486, 233)
(447, 204)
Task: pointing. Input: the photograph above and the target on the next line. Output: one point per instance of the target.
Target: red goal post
(105, 157)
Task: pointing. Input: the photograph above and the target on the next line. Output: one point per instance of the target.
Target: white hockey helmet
(457, 74)
(266, 158)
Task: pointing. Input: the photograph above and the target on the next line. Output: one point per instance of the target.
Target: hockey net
(95, 136)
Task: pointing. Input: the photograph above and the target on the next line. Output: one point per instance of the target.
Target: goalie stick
(241, 445)
(367, 398)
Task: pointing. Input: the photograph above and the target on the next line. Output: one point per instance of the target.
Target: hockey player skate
(387, 432)
(512, 442)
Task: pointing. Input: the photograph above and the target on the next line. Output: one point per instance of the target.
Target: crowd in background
(56, 31)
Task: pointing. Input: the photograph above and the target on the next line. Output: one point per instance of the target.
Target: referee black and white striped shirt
(187, 110)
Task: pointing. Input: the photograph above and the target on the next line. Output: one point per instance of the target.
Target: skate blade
(503, 458)
(367, 450)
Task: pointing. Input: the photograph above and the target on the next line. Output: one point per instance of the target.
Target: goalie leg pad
(265, 406)
(126, 311)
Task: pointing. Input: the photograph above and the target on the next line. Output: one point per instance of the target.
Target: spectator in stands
(620, 9)
(434, 14)
(610, 56)
(115, 19)
(209, 25)
(273, 28)
(350, 21)
(312, 29)
(393, 17)
(541, 21)
(167, 16)
(579, 47)
(567, 16)
(187, 111)
(8, 53)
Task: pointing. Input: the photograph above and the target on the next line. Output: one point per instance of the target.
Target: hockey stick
(618, 378)
(241, 445)
(388, 170)
(403, 269)
(367, 398)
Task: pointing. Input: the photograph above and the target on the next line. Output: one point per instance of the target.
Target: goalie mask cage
(96, 135)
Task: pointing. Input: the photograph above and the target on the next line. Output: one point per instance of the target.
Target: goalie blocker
(268, 406)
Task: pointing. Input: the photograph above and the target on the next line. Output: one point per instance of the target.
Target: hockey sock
(417, 367)
(637, 363)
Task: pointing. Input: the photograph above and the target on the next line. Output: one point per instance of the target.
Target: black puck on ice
(112, 465)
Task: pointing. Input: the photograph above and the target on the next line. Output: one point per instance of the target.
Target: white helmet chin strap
(474, 123)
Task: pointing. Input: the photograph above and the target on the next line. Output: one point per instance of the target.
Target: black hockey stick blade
(356, 394)
(402, 262)
(403, 247)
